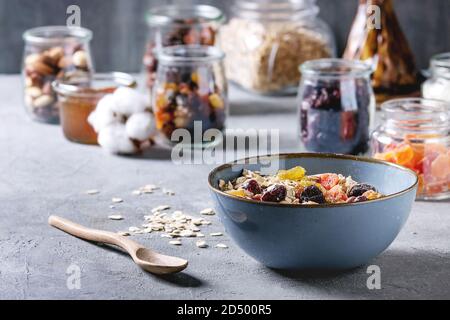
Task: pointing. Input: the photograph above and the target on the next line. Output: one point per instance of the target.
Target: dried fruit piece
(252, 186)
(312, 193)
(359, 189)
(274, 193)
(295, 173)
(237, 193)
(329, 180)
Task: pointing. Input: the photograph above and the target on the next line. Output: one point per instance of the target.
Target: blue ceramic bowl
(338, 236)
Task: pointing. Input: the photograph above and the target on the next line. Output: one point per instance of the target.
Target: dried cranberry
(359, 188)
(252, 186)
(274, 193)
(360, 199)
(312, 193)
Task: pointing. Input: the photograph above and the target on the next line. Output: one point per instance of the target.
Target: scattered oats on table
(116, 200)
(175, 242)
(216, 234)
(123, 233)
(207, 212)
(221, 245)
(201, 244)
(115, 217)
(92, 192)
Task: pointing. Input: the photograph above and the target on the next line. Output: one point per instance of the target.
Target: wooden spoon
(147, 259)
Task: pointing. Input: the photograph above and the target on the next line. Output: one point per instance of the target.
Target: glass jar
(190, 92)
(336, 106)
(415, 133)
(266, 41)
(78, 98)
(54, 52)
(173, 25)
(438, 86)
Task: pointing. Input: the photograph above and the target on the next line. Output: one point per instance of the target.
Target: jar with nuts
(173, 25)
(190, 93)
(51, 53)
(266, 41)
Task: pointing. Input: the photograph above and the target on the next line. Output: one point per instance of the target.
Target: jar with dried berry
(190, 92)
(173, 25)
(54, 52)
(336, 106)
(415, 133)
(79, 97)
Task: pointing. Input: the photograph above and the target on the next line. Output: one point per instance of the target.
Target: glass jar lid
(275, 10)
(57, 34)
(95, 85)
(182, 15)
(190, 54)
(335, 68)
(440, 65)
(417, 115)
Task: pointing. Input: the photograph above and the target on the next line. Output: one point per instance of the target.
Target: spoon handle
(93, 234)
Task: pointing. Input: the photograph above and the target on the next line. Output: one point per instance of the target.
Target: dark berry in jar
(312, 193)
(252, 185)
(359, 189)
(274, 193)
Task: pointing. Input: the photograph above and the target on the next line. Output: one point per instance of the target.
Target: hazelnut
(80, 59)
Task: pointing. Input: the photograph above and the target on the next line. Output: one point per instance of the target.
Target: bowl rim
(311, 155)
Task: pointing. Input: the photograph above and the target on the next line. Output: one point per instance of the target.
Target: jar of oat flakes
(265, 42)
(51, 53)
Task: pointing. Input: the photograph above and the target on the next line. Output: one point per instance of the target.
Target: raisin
(359, 188)
(252, 186)
(360, 199)
(312, 193)
(274, 193)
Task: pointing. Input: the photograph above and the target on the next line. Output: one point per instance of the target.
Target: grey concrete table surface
(41, 174)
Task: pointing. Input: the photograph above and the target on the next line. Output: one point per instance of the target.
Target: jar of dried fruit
(438, 85)
(53, 52)
(266, 41)
(415, 133)
(173, 25)
(336, 106)
(190, 93)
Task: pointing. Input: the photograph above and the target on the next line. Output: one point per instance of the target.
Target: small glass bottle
(336, 106)
(415, 133)
(438, 85)
(173, 25)
(266, 41)
(53, 52)
(190, 93)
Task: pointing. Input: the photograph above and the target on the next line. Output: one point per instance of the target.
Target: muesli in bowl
(294, 186)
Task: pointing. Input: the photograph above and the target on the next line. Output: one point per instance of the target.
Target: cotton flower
(139, 126)
(114, 139)
(128, 101)
(103, 114)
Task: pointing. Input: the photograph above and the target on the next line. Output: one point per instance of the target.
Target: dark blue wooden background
(120, 30)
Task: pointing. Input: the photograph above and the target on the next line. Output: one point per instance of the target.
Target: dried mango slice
(237, 193)
(296, 173)
(404, 155)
